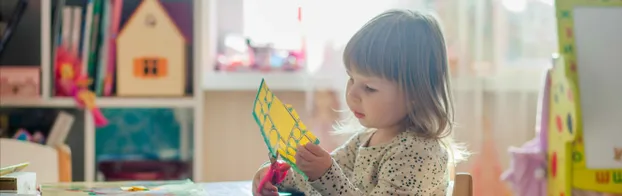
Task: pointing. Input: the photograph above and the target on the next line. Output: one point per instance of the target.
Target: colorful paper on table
(135, 188)
(13, 168)
(280, 126)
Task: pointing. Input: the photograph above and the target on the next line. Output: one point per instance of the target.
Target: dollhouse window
(150, 67)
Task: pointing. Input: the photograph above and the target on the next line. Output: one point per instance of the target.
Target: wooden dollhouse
(151, 54)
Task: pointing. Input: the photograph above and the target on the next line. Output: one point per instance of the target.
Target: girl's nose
(353, 95)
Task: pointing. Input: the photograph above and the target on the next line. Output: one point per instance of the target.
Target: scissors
(275, 174)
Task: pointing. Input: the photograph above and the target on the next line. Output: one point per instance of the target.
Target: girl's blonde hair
(408, 48)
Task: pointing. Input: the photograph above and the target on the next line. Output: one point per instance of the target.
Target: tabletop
(241, 188)
(238, 188)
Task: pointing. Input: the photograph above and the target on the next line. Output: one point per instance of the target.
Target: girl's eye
(369, 89)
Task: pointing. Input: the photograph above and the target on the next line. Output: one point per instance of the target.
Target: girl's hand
(268, 189)
(313, 160)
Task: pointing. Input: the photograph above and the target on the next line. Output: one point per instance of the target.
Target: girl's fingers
(313, 149)
(269, 190)
(304, 154)
(299, 160)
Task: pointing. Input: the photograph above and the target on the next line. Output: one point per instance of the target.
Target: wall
(233, 147)
(229, 127)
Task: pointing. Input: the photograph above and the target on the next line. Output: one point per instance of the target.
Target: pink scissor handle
(275, 174)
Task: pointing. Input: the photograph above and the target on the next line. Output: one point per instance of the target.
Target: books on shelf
(93, 31)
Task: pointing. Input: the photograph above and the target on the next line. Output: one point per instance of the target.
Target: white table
(241, 188)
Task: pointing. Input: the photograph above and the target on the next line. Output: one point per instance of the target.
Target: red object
(70, 81)
(560, 124)
(276, 174)
(64, 58)
(144, 170)
(554, 165)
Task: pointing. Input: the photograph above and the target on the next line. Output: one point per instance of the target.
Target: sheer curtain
(498, 50)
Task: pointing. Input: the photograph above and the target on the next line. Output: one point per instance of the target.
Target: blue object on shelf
(149, 133)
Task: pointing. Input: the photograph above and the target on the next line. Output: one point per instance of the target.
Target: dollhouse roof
(173, 7)
(181, 14)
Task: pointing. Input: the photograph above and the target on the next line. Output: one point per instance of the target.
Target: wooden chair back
(51, 164)
(463, 185)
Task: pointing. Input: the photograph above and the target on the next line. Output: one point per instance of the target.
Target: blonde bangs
(371, 49)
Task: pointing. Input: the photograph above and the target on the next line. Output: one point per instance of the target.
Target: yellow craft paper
(578, 176)
(280, 125)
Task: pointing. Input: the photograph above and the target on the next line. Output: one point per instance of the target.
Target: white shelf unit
(195, 102)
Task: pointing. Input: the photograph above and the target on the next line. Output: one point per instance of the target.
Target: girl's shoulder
(357, 137)
(411, 142)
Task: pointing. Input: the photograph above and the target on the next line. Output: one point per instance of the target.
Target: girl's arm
(346, 153)
(342, 156)
(406, 170)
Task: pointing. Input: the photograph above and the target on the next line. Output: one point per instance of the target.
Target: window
(150, 67)
(324, 23)
(528, 33)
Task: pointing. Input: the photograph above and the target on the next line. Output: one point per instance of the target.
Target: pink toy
(23, 135)
(527, 172)
(38, 137)
(70, 82)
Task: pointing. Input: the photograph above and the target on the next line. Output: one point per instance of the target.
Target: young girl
(399, 92)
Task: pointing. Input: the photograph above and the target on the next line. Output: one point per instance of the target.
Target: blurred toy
(71, 82)
(38, 137)
(22, 135)
(237, 55)
(242, 54)
(527, 172)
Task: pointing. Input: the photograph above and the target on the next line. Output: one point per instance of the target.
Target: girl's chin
(366, 124)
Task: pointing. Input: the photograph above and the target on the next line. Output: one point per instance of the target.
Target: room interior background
(498, 50)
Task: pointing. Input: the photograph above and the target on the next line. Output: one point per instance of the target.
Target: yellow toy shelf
(581, 58)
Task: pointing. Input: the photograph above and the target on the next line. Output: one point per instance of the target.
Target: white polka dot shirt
(408, 165)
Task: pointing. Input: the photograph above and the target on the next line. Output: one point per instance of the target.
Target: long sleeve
(414, 167)
(343, 156)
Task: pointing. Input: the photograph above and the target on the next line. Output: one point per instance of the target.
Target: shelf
(105, 102)
(244, 81)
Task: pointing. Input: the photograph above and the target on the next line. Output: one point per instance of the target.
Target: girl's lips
(359, 115)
